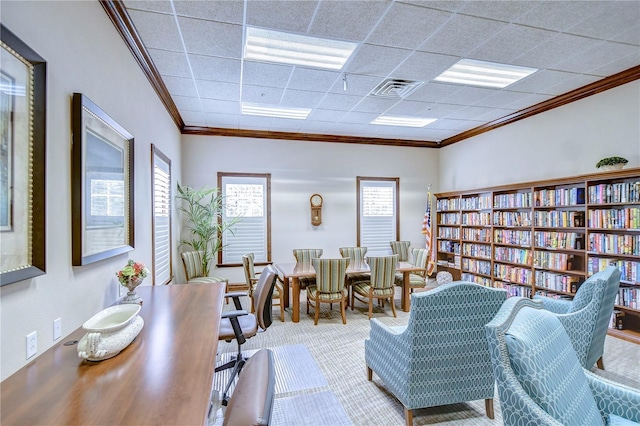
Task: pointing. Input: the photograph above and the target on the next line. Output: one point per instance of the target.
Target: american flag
(426, 230)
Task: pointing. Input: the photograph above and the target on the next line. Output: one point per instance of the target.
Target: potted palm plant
(202, 210)
(611, 163)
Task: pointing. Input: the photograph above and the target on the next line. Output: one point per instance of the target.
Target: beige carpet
(339, 352)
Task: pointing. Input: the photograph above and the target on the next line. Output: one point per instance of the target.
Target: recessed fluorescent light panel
(275, 111)
(398, 120)
(285, 48)
(484, 74)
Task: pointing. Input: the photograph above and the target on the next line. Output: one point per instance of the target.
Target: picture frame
(23, 80)
(102, 181)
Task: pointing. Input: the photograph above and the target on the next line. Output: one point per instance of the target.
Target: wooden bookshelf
(547, 237)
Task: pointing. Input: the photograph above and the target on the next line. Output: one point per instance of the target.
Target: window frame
(360, 180)
(267, 177)
(156, 153)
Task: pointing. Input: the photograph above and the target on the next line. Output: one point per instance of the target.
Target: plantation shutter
(245, 198)
(161, 191)
(378, 216)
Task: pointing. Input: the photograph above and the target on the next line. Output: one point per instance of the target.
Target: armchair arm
(614, 398)
(557, 306)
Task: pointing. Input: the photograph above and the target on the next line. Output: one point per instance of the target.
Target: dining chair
(401, 248)
(303, 257)
(420, 256)
(356, 256)
(379, 286)
(251, 277)
(193, 271)
(329, 287)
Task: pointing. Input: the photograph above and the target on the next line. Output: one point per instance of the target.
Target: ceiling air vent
(392, 88)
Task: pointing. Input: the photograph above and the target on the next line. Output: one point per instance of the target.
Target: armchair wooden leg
(600, 363)
(369, 373)
(315, 321)
(393, 307)
(352, 300)
(370, 307)
(488, 405)
(408, 416)
(343, 309)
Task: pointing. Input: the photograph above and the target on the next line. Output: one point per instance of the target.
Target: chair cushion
(208, 280)
(546, 366)
(363, 287)
(248, 325)
(313, 293)
(613, 420)
(414, 280)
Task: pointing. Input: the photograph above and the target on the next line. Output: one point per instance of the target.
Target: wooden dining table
(290, 274)
(165, 376)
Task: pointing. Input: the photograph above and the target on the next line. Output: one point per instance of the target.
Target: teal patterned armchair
(440, 357)
(540, 380)
(586, 317)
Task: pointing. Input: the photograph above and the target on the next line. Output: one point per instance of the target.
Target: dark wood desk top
(164, 377)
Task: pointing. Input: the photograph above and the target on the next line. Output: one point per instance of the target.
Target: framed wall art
(102, 184)
(23, 79)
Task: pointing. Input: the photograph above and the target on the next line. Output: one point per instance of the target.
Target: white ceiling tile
(469, 95)
(501, 98)
(285, 125)
(357, 85)
(301, 99)
(336, 101)
(180, 86)
(457, 125)
(312, 79)
(613, 17)
(262, 95)
(594, 58)
(193, 118)
(226, 121)
(221, 11)
(547, 54)
(150, 5)
(540, 80)
(433, 92)
(376, 60)
(292, 16)
(510, 43)
(214, 68)
(527, 101)
(170, 63)
(448, 5)
(211, 38)
(559, 15)
(577, 81)
(494, 113)
(159, 31)
(470, 113)
(507, 11)
(218, 90)
(461, 34)
(263, 74)
(618, 65)
(222, 107)
(347, 20)
(184, 103)
(359, 117)
(254, 122)
(423, 66)
(630, 36)
(443, 110)
(375, 105)
(326, 115)
(438, 135)
(409, 108)
(407, 26)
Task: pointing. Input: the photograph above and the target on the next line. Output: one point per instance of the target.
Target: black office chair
(242, 325)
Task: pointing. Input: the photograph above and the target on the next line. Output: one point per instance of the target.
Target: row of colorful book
(559, 197)
(614, 244)
(625, 218)
(622, 192)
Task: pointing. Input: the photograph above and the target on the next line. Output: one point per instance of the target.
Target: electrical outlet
(57, 329)
(32, 344)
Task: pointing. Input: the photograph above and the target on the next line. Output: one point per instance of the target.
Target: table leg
(285, 290)
(405, 302)
(295, 286)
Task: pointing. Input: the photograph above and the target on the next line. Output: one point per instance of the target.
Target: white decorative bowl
(109, 332)
(612, 167)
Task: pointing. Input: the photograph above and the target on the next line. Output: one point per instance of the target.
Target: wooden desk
(291, 273)
(164, 376)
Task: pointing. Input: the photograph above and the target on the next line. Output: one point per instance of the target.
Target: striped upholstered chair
(379, 285)
(420, 256)
(540, 379)
(401, 248)
(592, 304)
(251, 277)
(192, 262)
(441, 356)
(329, 287)
(356, 255)
(303, 257)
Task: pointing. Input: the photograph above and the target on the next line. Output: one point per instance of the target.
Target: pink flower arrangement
(132, 272)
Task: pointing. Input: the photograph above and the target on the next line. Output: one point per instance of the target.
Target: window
(378, 214)
(161, 225)
(247, 198)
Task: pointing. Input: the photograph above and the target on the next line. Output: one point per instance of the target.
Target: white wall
(84, 53)
(565, 141)
(299, 169)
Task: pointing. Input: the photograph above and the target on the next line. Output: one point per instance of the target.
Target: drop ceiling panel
(573, 43)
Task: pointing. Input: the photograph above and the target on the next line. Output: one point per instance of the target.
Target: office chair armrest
(236, 294)
(234, 314)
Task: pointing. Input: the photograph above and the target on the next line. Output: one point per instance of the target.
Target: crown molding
(116, 11)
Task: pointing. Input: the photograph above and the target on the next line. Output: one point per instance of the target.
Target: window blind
(377, 216)
(161, 218)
